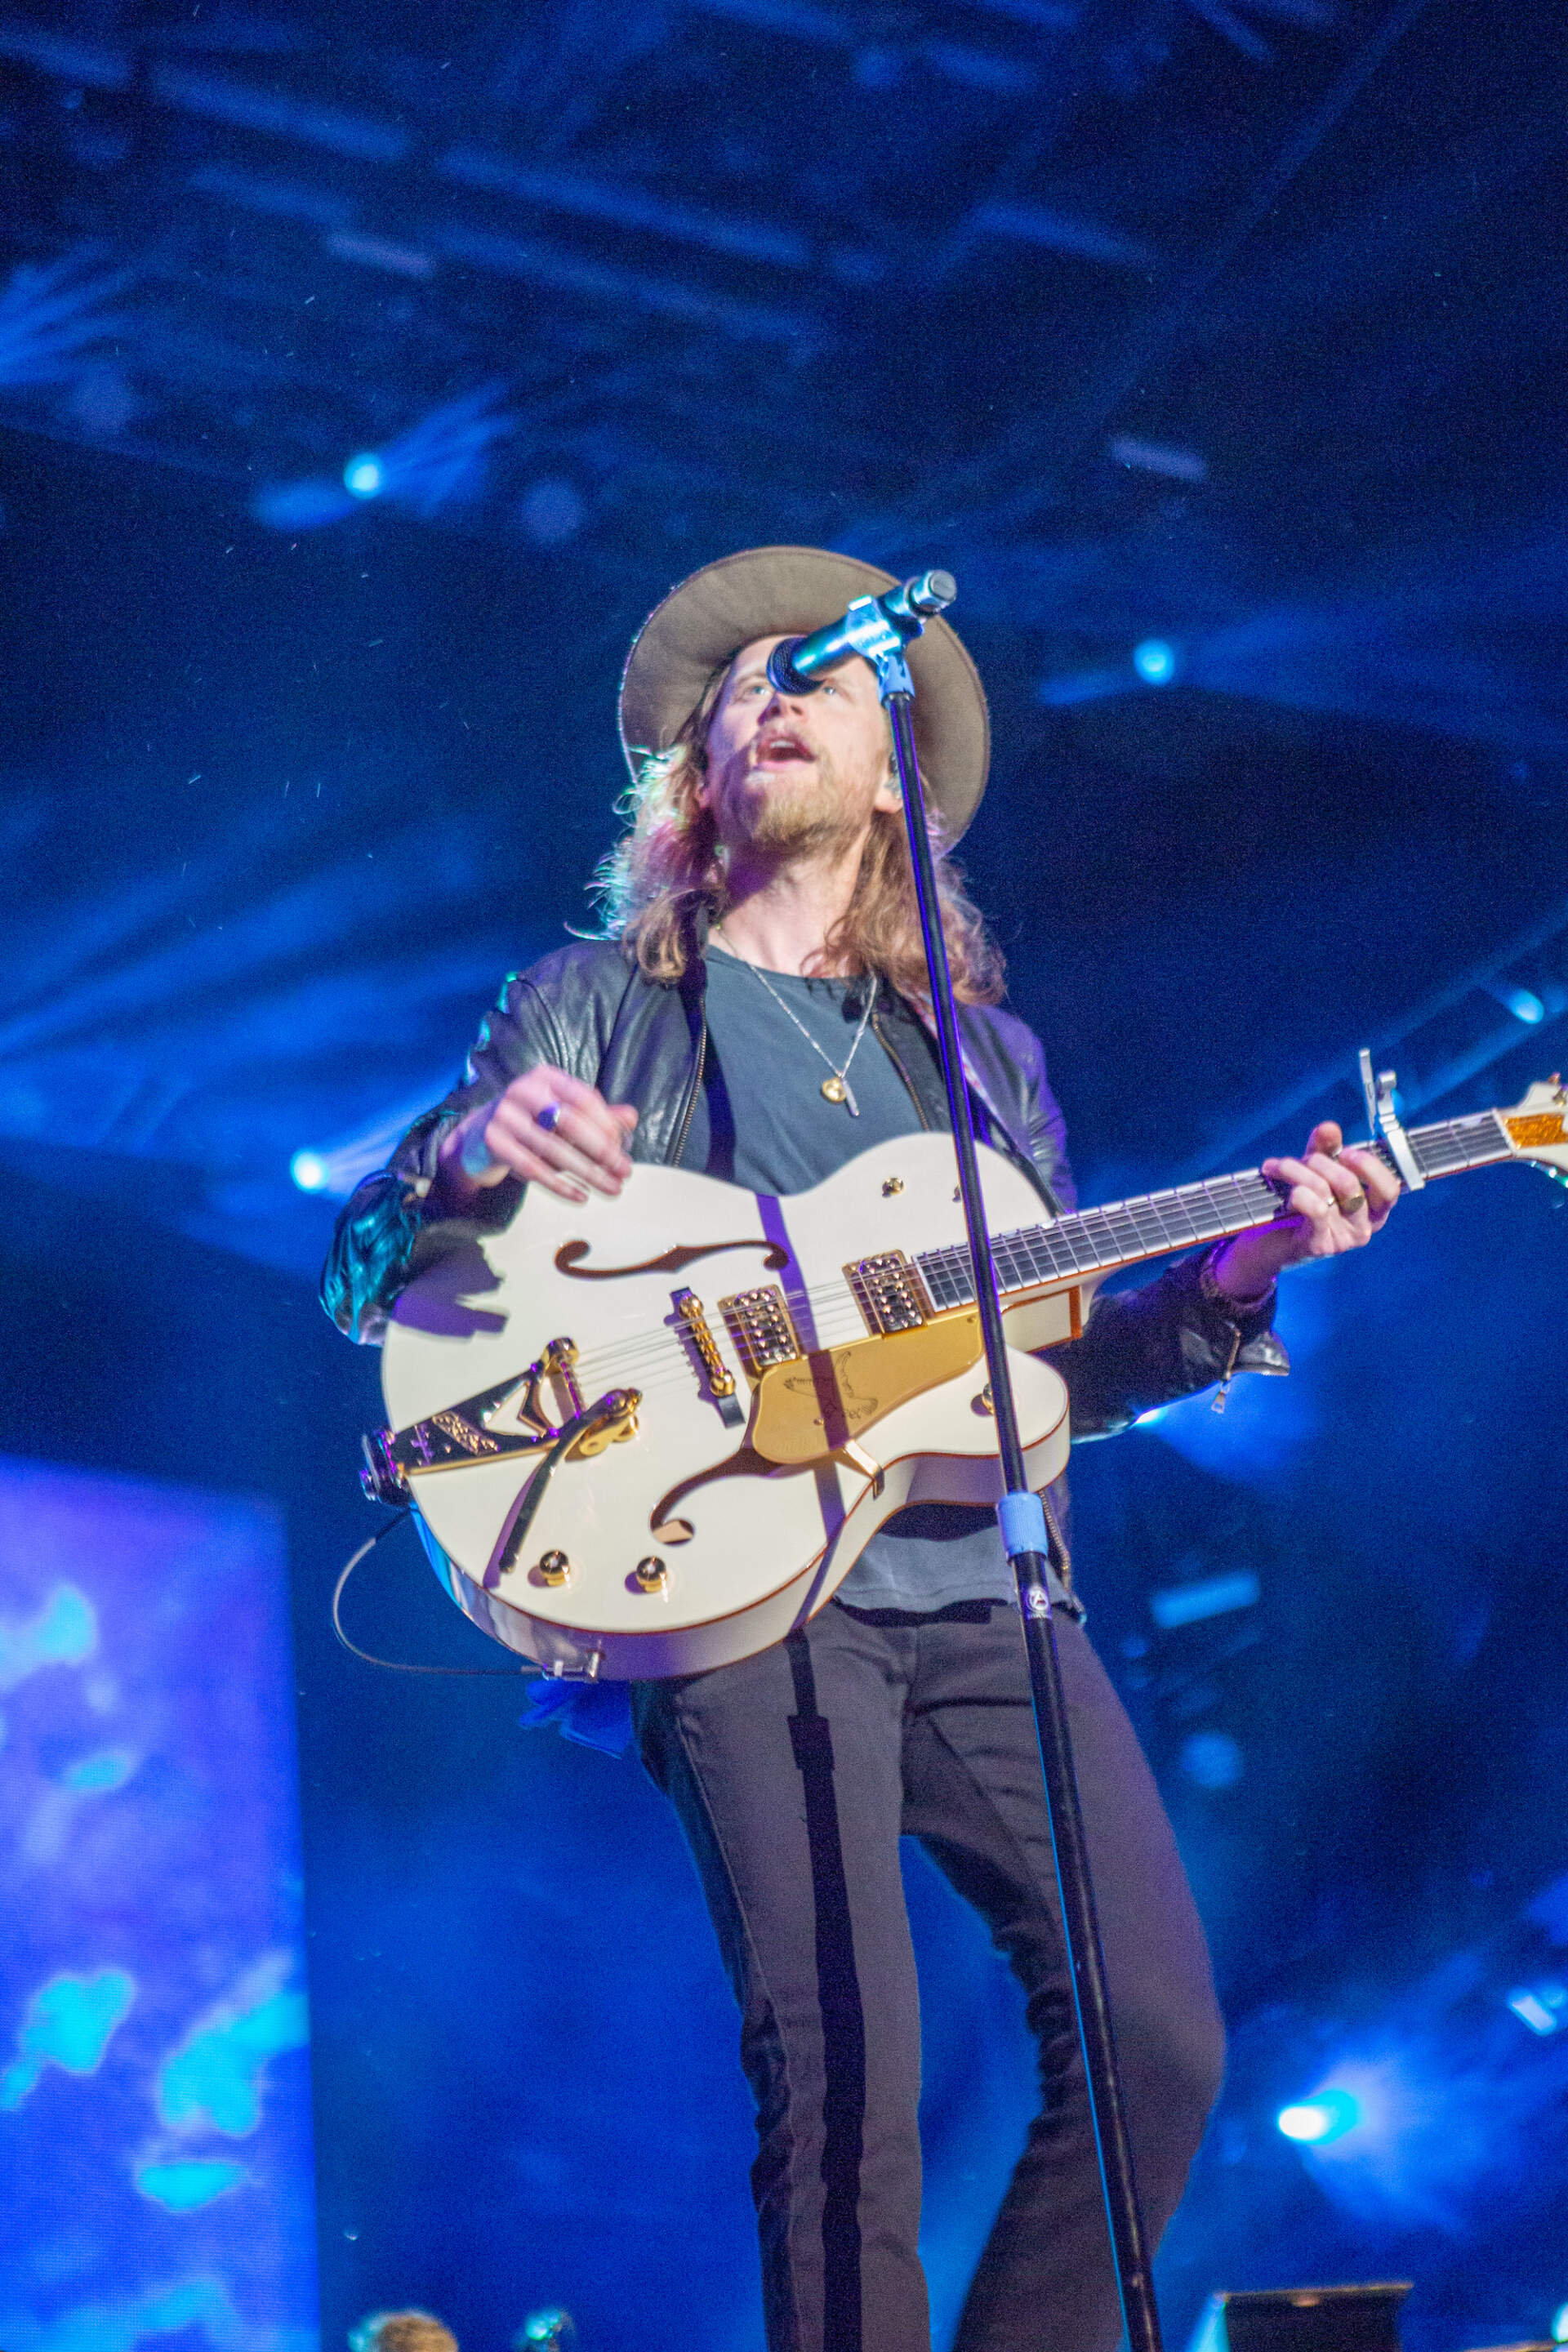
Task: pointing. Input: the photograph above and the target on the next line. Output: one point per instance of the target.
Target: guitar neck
(1098, 1242)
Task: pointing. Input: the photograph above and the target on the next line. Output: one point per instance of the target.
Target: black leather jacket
(588, 1009)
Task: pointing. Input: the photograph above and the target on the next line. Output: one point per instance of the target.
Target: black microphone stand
(879, 628)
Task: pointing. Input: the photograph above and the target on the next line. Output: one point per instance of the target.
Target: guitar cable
(400, 1665)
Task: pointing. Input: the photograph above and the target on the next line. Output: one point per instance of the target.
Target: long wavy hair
(669, 865)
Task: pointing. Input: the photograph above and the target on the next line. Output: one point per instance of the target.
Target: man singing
(756, 1011)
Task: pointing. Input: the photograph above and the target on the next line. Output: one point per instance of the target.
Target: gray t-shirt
(764, 1124)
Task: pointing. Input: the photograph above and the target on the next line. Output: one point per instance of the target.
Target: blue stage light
(1523, 1004)
(301, 506)
(1542, 2006)
(1326, 2116)
(309, 1171)
(1560, 2325)
(365, 474)
(1186, 1604)
(1156, 661)
(553, 2330)
(551, 513)
(1213, 1759)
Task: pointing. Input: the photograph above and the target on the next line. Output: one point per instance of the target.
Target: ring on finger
(1351, 1204)
(548, 1116)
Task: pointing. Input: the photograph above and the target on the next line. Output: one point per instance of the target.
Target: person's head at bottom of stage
(757, 782)
(401, 2331)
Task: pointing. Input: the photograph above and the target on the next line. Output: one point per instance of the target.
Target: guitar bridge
(888, 1293)
(721, 1378)
(760, 1324)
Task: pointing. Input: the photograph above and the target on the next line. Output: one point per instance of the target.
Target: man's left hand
(1338, 1200)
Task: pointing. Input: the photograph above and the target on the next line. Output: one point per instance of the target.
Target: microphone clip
(878, 628)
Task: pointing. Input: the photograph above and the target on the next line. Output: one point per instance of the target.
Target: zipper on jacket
(673, 1158)
(908, 1086)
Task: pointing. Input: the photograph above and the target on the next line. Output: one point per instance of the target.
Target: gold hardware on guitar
(467, 1440)
(721, 1378)
(609, 1423)
(464, 1433)
(888, 1292)
(613, 1420)
(760, 1325)
(854, 1371)
(557, 1367)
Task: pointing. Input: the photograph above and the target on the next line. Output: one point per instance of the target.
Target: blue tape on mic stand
(1022, 1519)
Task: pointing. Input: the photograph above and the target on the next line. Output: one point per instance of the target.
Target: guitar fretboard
(1099, 1241)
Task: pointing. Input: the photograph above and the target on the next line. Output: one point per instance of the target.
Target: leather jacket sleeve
(390, 1227)
(1152, 1346)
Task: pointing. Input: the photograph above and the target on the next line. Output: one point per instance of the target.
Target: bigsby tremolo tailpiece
(475, 1431)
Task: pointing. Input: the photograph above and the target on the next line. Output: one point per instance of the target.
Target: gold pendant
(833, 1088)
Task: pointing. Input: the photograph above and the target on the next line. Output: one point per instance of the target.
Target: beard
(806, 815)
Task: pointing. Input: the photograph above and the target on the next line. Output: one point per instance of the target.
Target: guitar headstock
(1537, 1127)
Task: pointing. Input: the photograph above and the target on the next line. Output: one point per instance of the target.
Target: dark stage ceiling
(1233, 329)
(1218, 347)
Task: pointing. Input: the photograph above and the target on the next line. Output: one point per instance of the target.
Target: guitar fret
(1206, 1213)
(1055, 1248)
(1012, 1266)
(1166, 1216)
(1459, 1143)
(1150, 1224)
(1095, 1240)
(1100, 1234)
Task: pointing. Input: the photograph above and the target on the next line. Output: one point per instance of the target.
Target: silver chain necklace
(836, 1088)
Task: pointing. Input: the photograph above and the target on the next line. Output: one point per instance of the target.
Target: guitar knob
(555, 1568)
(652, 1573)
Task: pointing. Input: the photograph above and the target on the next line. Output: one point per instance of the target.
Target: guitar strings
(830, 1307)
(830, 1296)
(659, 1362)
(664, 1358)
(661, 1358)
(835, 1316)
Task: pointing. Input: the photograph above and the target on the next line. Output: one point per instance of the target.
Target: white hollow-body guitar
(651, 1435)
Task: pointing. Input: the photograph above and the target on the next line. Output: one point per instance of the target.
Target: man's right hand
(582, 1141)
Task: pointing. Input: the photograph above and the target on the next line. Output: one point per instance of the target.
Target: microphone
(795, 664)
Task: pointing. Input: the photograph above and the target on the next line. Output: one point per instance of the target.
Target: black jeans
(793, 1774)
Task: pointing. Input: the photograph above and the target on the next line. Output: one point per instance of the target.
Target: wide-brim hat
(769, 592)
